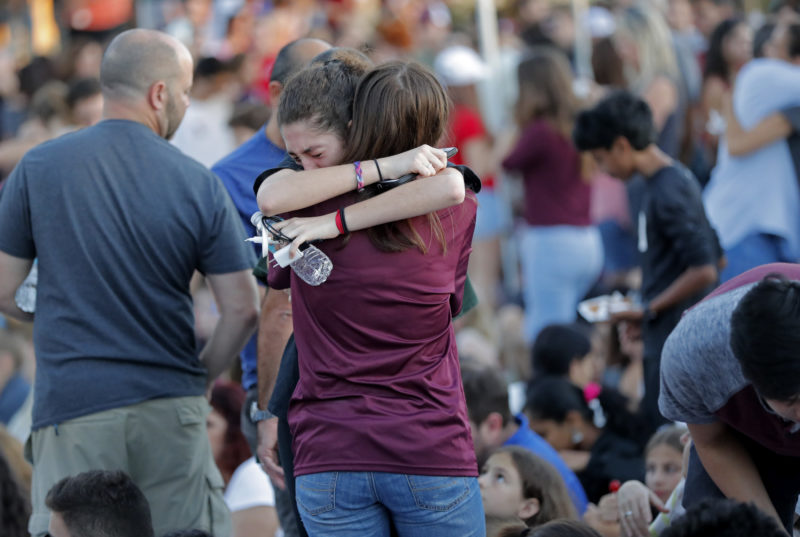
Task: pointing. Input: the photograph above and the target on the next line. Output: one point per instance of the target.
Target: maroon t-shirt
(380, 385)
(555, 193)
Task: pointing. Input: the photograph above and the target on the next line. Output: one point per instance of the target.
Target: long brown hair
(322, 93)
(545, 90)
(542, 481)
(545, 93)
(397, 106)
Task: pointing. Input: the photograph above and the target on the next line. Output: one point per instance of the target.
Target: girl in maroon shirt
(381, 435)
(562, 253)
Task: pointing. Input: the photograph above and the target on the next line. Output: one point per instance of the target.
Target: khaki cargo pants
(162, 444)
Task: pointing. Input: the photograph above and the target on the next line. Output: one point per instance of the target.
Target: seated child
(517, 483)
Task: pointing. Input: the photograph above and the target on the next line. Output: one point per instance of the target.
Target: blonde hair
(668, 436)
(649, 31)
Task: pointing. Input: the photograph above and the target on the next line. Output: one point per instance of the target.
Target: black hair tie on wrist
(380, 175)
(344, 222)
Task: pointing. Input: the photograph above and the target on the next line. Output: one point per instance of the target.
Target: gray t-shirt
(701, 379)
(119, 220)
(699, 372)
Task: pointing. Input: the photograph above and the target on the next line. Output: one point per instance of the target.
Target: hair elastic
(377, 167)
(341, 223)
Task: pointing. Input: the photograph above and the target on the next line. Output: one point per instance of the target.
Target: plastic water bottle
(25, 297)
(313, 267)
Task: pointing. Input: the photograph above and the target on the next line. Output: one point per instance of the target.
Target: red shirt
(380, 385)
(555, 192)
(466, 124)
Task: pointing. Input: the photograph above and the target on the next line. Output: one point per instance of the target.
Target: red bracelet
(339, 225)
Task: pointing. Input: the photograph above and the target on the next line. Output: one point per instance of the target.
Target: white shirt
(249, 487)
(758, 192)
(204, 133)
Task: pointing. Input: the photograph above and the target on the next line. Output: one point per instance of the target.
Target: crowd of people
(495, 286)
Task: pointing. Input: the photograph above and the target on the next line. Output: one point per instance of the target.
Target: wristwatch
(256, 414)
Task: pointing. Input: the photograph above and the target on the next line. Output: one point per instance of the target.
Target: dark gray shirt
(119, 220)
(673, 234)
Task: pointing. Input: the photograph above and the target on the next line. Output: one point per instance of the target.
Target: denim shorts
(370, 503)
(493, 218)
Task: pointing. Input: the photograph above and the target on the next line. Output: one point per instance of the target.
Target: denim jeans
(493, 217)
(560, 264)
(755, 250)
(370, 503)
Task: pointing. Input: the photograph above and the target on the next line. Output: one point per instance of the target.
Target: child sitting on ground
(517, 483)
(563, 350)
(627, 512)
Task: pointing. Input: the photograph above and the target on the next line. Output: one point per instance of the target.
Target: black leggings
(287, 462)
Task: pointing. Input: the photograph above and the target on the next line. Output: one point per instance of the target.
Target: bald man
(119, 221)
(264, 150)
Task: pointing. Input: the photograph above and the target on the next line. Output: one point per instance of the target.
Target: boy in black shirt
(679, 250)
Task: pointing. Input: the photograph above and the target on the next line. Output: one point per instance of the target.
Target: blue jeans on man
(755, 250)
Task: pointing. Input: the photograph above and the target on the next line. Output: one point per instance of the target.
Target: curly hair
(554, 528)
(724, 518)
(765, 335)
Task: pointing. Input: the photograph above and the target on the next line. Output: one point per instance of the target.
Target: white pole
(496, 102)
(492, 102)
(583, 48)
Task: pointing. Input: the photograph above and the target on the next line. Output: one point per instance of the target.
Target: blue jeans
(493, 217)
(619, 246)
(370, 503)
(560, 264)
(753, 251)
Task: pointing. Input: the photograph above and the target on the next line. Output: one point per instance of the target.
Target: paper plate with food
(600, 308)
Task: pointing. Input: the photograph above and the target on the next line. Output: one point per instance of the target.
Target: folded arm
(416, 198)
(768, 130)
(288, 190)
(772, 128)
